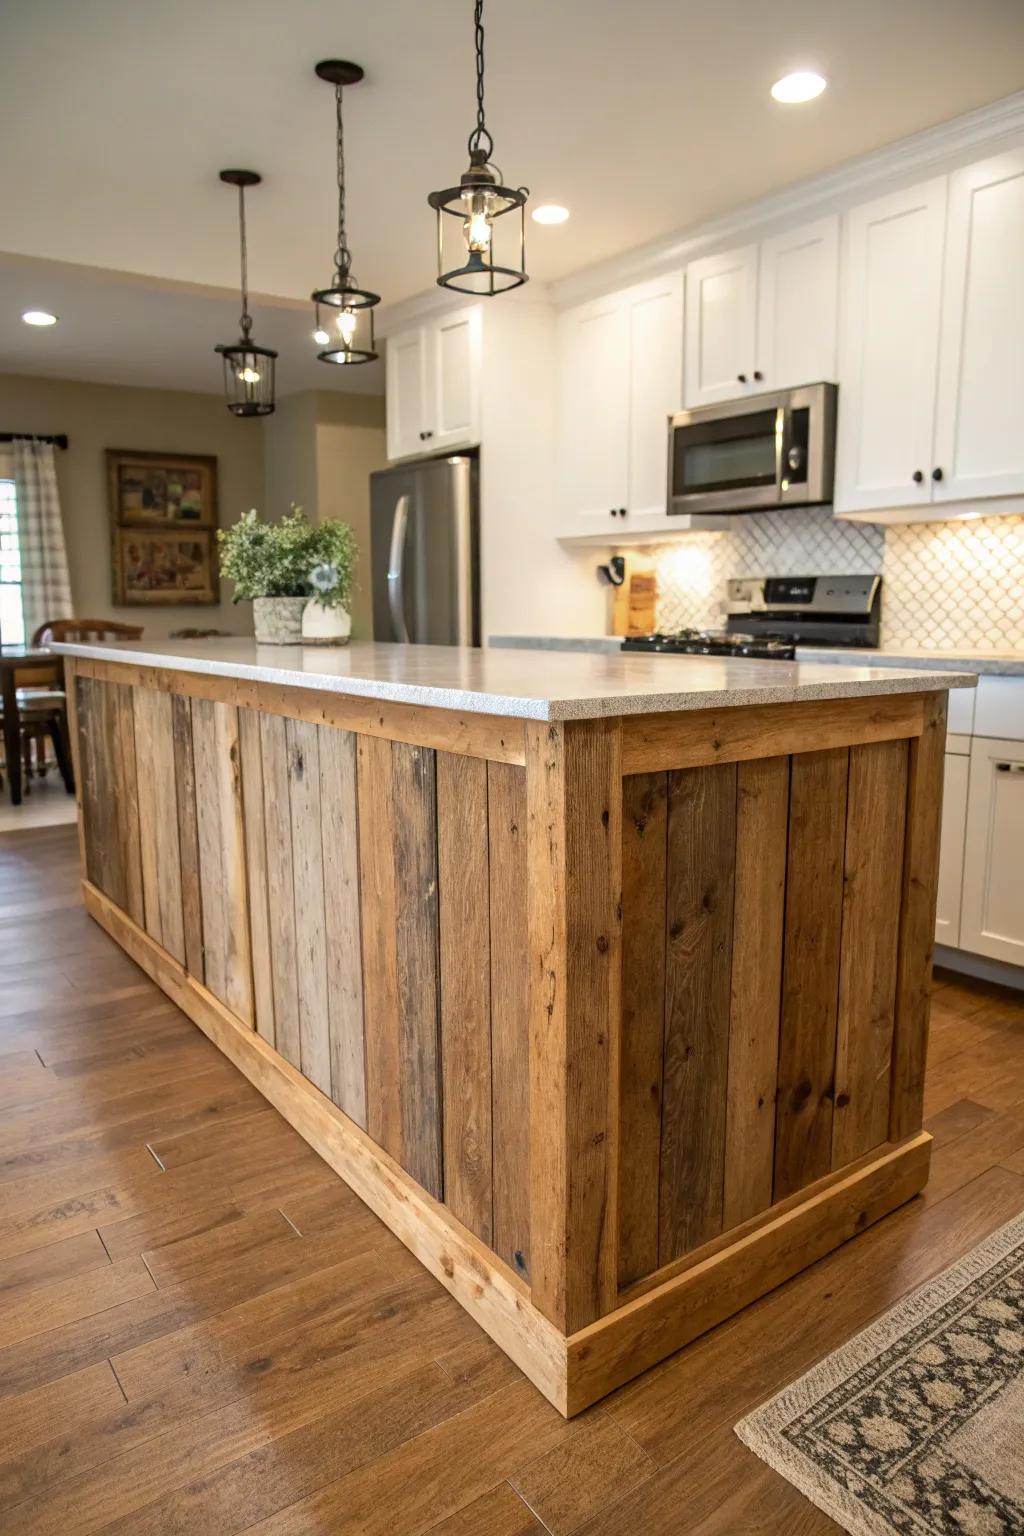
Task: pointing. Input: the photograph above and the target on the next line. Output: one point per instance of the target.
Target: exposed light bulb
(477, 226)
(347, 327)
(248, 375)
(321, 337)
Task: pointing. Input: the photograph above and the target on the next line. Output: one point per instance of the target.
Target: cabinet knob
(425, 435)
(741, 378)
(612, 512)
(758, 375)
(936, 473)
(918, 476)
(622, 511)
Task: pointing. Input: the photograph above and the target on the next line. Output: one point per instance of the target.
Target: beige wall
(100, 416)
(318, 450)
(321, 449)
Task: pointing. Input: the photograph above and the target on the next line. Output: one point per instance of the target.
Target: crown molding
(931, 152)
(437, 301)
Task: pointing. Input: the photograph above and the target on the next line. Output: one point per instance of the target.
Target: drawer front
(992, 909)
(999, 710)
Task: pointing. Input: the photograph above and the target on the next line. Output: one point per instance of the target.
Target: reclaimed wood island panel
(611, 1002)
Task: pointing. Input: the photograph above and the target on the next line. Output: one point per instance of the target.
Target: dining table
(15, 662)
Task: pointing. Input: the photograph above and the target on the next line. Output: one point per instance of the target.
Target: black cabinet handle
(622, 511)
(425, 435)
(612, 512)
(918, 476)
(741, 378)
(758, 375)
(936, 474)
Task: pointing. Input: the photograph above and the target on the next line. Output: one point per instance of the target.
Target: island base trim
(575, 1371)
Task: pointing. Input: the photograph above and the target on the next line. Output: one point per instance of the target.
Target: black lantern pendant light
(248, 369)
(477, 202)
(348, 306)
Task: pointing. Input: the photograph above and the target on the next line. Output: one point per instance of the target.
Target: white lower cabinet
(992, 908)
(951, 849)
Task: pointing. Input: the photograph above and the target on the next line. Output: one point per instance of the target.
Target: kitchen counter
(564, 685)
(603, 980)
(981, 663)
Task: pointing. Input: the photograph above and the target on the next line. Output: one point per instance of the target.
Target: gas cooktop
(713, 642)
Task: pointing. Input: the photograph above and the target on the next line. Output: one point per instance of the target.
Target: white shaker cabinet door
(407, 392)
(797, 300)
(655, 390)
(455, 351)
(888, 354)
(721, 316)
(979, 428)
(593, 415)
(992, 912)
(951, 849)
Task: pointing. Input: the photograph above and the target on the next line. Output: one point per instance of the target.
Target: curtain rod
(59, 440)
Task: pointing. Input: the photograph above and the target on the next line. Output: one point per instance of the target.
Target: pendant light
(248, 369)
(476, 203)
(348, 306)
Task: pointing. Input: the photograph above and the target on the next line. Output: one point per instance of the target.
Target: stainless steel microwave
(754, 455)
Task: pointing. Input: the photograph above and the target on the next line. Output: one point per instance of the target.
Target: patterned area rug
(917, 1425)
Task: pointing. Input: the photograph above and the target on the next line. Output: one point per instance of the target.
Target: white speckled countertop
(553, 685)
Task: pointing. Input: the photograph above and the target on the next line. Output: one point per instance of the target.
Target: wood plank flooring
(202, 1330)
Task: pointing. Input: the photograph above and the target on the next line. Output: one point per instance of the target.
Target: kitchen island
(603, 981)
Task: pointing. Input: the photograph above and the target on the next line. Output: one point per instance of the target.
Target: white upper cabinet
(797, 299)
(619, 379)
(979, 421)
(889, 349)
(433, 385)
(721, 320)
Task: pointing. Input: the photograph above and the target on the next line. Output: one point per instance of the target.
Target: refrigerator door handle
(396, 559)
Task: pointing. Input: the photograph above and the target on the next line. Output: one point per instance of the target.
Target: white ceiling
(644, 118)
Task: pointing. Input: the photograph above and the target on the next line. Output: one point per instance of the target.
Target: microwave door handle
(782, 420)
(396, 560)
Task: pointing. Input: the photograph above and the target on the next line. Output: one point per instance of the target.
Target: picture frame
(162, 489)
(163, 520)
(158, 566)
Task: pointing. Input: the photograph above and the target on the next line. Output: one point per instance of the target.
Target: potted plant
(297, 574)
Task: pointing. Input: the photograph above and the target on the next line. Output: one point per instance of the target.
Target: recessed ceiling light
(803, 85)
(550, 213)
(39, 317)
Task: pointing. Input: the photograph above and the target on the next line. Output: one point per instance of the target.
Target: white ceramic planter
(325, 626)
(278, 620)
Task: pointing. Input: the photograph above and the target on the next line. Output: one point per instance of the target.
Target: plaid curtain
(45, 585)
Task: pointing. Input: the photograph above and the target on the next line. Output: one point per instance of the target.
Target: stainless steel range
(768, 616)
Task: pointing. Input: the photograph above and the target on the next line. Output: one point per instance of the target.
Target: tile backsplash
(945, 584)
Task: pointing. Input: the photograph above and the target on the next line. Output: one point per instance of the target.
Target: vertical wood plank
(128, 802)
(158, 820)
(188, 835)
(280, 888)
(574, 799)
(415, 850)
(380, 961)
(256, 871)
(699, 920)
(463, 891)
(510, 1023)
(644, 848)
(917, 919)
(71, 690)
(762, 820)
(810, 968)
(238, 957)
(342, 934)
(308, 877)
(95, 812)
(211, 874)
(875, 815)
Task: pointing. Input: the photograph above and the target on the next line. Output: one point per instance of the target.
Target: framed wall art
(163, 520)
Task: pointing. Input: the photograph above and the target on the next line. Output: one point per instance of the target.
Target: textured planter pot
(325, 626)
(278, 620)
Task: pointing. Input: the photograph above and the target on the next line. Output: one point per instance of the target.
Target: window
(12, 618)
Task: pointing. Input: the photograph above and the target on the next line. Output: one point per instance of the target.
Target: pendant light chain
(246, 318)
(342, 256)
(480, 132)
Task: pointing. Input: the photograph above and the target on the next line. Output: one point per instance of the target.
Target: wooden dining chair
(85, 629)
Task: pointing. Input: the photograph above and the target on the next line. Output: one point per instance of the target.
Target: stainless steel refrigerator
(425, 552)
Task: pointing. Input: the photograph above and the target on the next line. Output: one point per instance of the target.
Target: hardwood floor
(203, 1331)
